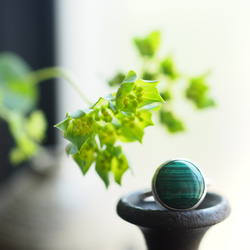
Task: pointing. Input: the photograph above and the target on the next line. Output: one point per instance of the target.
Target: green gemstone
(179, 184)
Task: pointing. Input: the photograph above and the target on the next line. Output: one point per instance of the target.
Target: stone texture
(179, 184)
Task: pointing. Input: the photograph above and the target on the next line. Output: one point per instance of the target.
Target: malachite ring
(179, 184)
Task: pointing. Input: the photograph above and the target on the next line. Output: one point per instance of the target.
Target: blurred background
(93, 39)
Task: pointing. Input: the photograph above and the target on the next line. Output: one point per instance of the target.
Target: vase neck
(174, 239)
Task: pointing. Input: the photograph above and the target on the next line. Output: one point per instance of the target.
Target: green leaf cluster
(18, 100)
(94, 133)
(196, 88)
(148, 45)
(197, 92)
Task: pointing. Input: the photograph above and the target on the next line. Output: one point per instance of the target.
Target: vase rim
(135, 208)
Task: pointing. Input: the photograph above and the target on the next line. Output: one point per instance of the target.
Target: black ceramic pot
(172, 230)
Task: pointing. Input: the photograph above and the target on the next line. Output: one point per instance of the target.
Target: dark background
(27, 27)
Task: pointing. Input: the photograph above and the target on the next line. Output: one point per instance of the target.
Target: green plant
(196, 88)
(19, 95)
(18, 99)
(93, 133)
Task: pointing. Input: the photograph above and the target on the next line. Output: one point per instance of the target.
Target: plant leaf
(150, 93)
(119, 165)
(78, 130)
(116, 80)
(198, 91)
(126, 87)
(85, 157)
(103, 165)
(63, 125)
(107, 134)
(168, 68)
(36, 125)
(79, 113)
(71, 149)
(149, 45)
(75, 136)
(132, 128)
(18, 91)
(135, 93)
(171, 122)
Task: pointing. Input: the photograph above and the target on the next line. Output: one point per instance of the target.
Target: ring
(179, 184)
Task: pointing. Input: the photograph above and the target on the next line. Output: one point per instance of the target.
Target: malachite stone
(179, 185)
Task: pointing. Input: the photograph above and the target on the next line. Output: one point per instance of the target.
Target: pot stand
(172, 230)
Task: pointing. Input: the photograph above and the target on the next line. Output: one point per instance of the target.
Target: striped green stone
(179, 184)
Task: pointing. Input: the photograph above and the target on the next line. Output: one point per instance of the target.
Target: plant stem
(56, 72)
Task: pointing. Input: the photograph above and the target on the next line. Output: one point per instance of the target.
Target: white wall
(94, 41)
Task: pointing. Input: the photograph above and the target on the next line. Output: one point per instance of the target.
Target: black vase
(172, 230)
